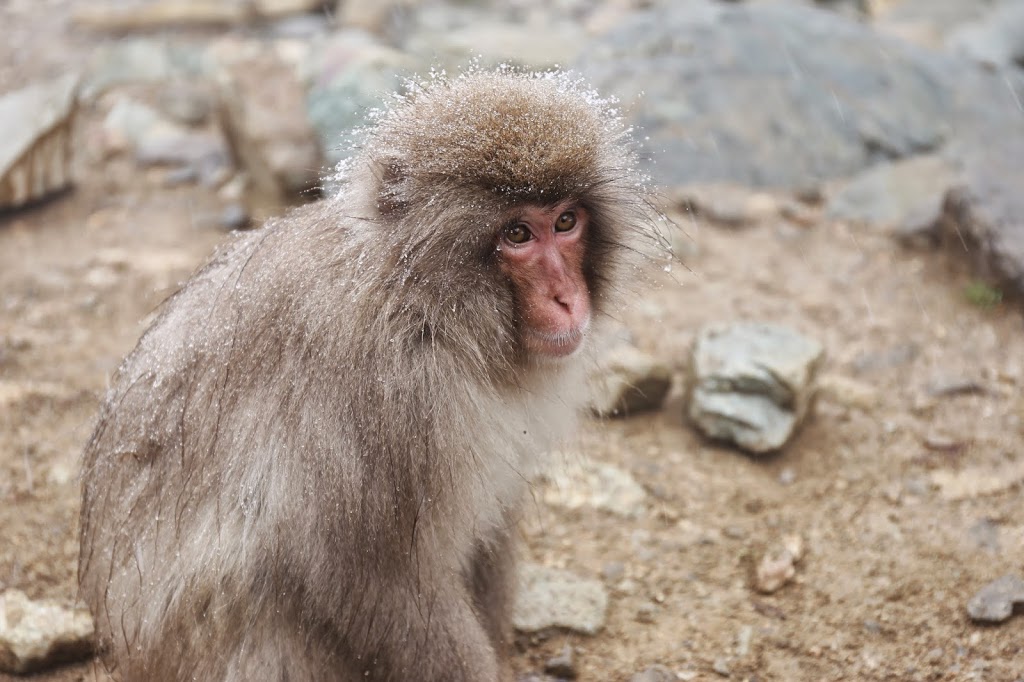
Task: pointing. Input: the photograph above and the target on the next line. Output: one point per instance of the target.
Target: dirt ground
(891, 556)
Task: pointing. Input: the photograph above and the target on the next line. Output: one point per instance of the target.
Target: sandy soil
(892, 556)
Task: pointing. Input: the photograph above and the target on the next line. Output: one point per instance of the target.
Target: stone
(982, 217)
(352, 74)
(140, 60)
(582, 482)
(36, 145)
(233, 217)
(726, 205)
(778, 566)
(36, 635)
(562, 666)
(628, 381)
(752, 383)
(32, 394)
(996, 39)
(785, 95)
(155, 140)
(977, 481)
(164, 13)
(927, 22)
(776, 95)
(895, 194)
(187, 103)
(983, 534)
(654, 673)
(534, 45)
(847, 391)
(554, 598)
(374, 16)
(994, 603)
(263, 110)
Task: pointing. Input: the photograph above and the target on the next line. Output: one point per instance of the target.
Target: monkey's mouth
(559, 344)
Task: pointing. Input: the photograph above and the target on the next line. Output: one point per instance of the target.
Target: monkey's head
(519, 187)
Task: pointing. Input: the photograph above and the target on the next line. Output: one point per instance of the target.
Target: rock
(36, 144)
(140, 60)
(778, 566)
(847, 391)
(233, 217)
(977, 481)
(941, 442)
(645, 613)
(744, 637)
(721, 667)
(654, 673)
(182, 175)
(726, 205)
(927, 22)
(888, 358)
(629, 381)
(305, 27)
(982, 217)
(613, 570)
(186, 103)
(994, 602)
(945, 386)
(562, 665)
(997, 39)
(769, 95)
(535, 44)
(36, 635)
(374, 16)
(352, 75)
(900, 195)
(32, 394)
(263, 110)
(783, 95)
(163, 13)
(154, 140)
(984, 535)
(583, 482)
(553, 598)
(752, 383)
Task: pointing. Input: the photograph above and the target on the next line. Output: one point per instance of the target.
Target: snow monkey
(312, 465)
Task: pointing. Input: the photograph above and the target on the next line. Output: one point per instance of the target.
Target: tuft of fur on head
(462, 152)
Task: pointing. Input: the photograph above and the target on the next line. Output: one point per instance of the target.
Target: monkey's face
(542, 252)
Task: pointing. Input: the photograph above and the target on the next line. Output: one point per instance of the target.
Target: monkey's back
(205, 494)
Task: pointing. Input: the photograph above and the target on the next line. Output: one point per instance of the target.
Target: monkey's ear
(392, 195)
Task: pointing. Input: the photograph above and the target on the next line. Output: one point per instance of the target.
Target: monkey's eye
(565, 222)
(518, 233)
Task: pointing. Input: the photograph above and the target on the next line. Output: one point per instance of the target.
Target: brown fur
(312, 465)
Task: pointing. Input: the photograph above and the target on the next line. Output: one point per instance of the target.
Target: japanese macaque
(312, 465)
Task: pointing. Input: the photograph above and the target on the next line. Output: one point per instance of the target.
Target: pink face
(542, 250)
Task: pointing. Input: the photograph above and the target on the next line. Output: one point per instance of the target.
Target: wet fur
(312, 464)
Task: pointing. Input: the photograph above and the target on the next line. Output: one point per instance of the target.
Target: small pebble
(654, 673)
(721, 666)
(233, 217)
(613, 570)
(646, 613)
(941, 442)
(743, 638)
(182, 175)
(777, 567)
(994, 602)
(562, 665)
